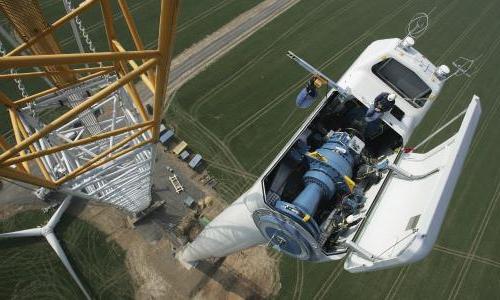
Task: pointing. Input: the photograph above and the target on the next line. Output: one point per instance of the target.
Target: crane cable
(81, 27)
(19, 83)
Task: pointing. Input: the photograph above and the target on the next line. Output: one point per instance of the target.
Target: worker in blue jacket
(383, 103)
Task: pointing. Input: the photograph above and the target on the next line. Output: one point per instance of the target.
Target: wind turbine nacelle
(325, 196)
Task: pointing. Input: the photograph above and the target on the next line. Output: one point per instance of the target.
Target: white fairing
(231, 231)
(405, 221)
(365, 86)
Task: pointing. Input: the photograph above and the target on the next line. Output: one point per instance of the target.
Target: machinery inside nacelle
(317, 188)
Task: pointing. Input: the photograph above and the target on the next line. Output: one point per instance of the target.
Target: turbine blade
(231, 231)
(59, 212)
(22, 233)
(54, 243)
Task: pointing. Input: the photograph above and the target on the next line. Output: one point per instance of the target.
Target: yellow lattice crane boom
(101, 146)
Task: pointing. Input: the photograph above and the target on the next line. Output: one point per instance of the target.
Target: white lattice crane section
(100, 142)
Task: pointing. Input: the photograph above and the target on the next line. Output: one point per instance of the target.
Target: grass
(30, 268)
(240, 111)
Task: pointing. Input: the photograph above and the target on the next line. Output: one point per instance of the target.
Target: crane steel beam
(91, 70)
(105, 128)
(73, 58)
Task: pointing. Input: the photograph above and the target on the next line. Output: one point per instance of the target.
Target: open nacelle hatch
(407, 215)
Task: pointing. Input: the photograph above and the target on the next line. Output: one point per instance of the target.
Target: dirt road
(197, 58)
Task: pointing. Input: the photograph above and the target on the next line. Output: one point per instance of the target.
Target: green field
(240, 111)
(31, 270)
(196, 20)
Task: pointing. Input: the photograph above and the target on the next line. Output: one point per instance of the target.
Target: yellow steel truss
(57, 67)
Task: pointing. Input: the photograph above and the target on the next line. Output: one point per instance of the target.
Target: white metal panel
(365, 86)
(388, 238)
(123, 182)
(231, 231)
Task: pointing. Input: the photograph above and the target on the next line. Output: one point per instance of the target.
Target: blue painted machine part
(305, 99)
(295, 230)
(297, 214)
(309, 198)
(326, 172)
(284, 234)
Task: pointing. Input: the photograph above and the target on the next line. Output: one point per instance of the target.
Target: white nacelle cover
(405, 221)
(231, 231)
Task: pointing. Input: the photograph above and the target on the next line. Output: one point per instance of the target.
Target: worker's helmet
(391, 97)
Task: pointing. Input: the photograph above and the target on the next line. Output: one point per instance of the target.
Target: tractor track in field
(203, 15)
(301, 283)
(228, 191)
(299, 280)
(282, 142)
(479, 135)
(215, 153)
(442, 13)
(232, 170)
(227, 187)
(194, 20)
(330, 280)
(288, 118)
(396, 285)
(454, 45)
(194, 110)
(456, 100)
(461, 254)
(464, 34)
(208, 148)
(455, 290)
(283, 96)
(213, 138)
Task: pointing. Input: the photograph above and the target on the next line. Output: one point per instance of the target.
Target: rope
(82, 29)
(19, 83)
